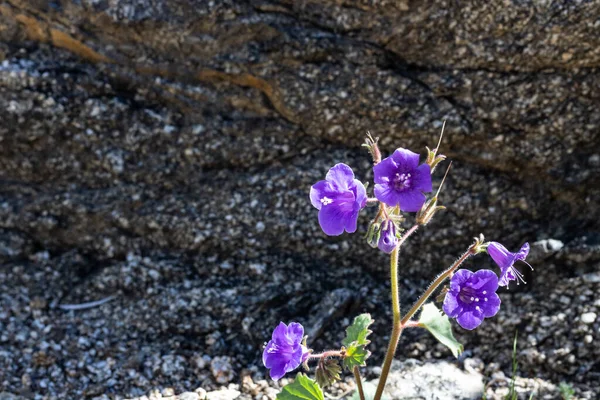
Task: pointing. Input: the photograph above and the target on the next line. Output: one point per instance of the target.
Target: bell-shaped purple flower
(285, 351)
(387, 237)
(339, 199)
(506, 260)
(400, 180)
(472, 297)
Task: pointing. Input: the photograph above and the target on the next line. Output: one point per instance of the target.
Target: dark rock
(162, 152)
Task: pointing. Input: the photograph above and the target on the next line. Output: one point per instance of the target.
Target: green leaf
(439, 325)
(358, 331)
(327, 372)
(356, 356)
(303, 388)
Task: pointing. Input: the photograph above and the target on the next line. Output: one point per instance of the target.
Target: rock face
(162, 151)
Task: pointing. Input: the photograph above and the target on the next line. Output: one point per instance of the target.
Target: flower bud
(371, 145)
(387, 237)
(372, 235)
(433, 159)
(428, 211)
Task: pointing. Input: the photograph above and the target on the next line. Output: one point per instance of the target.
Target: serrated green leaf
(358, 331)
(303, 388)
(355, 356)
(431, 318)
(328, 372)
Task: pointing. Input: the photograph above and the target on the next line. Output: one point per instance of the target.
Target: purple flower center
(401, 182)
(469, 295)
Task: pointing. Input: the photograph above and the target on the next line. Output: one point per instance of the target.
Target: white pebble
(588, 318)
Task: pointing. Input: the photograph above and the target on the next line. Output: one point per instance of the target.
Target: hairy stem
(330, 353)
(436, 283)
(396, 327)
(358, 380)
(397, 324)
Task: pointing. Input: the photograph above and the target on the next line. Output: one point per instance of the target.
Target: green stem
(436, 283)
(356, 372)
(397, 325)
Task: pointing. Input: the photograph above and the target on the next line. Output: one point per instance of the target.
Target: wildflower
(472, 297)
(387, 237)
(285, 351)
(506, 260)
(399, 180)
(339, 199)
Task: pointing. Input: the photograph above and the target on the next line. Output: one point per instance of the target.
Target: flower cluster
(400, 181)
(285, 351)
(506, 260)
(472, 296)
(339, 199)
(400, 187)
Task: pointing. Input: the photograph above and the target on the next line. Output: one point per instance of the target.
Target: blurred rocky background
(157, 155)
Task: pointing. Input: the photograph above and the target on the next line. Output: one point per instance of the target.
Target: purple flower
(285, 352)
(387, 237)
(339, 199)
(506, 260)
(472, 297)
(399, 180)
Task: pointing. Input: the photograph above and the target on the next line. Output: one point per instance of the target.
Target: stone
(432, 380)
(189, 396)
(223, 394)
(588, 318)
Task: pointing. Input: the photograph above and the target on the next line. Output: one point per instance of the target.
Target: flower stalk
(396, 324)
(358, 380)
(437, 282)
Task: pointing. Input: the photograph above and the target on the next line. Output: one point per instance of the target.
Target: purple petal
(318, 192)
(384, 170)
(470, 319)
(484, 280)
(452, 306)
(351, 222)
(405, 159)
(333, 220)
(490, 307)
(360, 194)
(280, 333)
(296, 359)
(506, 275)
(523, 252)
(387, 238)
(411, 200)
(422, 178)
(386, 194)
(295, 332)
(278, 371)
(459, 278)
(341, 176)
(270, 354)
(500, 255)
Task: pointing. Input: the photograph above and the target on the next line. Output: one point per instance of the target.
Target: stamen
(326, 201)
